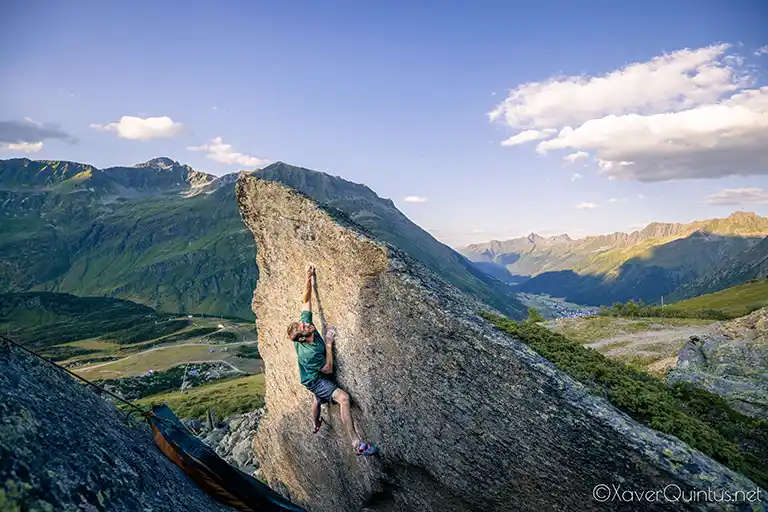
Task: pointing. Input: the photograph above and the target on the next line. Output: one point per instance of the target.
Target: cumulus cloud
(528, 136)
(226, 154)
(673, 81)
(738, 196)
(576, 176)
(415, 199)
(572, 157)
(586, 206)
(687, 114)
(708, 141)
(763, 50)
(22, 147)
(142, 128)
(27, 135)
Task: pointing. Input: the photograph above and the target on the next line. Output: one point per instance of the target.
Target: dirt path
(656, 349)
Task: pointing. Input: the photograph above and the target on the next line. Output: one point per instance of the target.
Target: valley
(674, 261)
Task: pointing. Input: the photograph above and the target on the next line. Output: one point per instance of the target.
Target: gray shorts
(323, 389)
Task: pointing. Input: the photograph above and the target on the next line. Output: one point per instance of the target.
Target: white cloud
(572, 157)
(684, 115)
(586, 206)
(640, 196)
(736, 196)
(22, 147)
(415, 199)
(576, 176)
(708, 141)
(219, 151)
(528, 136)
(763, 50)
(138, 128)
(676, 80)
(613, 200)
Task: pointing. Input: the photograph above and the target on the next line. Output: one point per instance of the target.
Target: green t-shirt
(311, 356)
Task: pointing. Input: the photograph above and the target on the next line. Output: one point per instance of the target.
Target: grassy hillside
(736, 301)
(123, 337)
(700, 419)
(229, 397)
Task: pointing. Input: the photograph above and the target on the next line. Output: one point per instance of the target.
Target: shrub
(697, 417)
(638, 309)
(534, 316)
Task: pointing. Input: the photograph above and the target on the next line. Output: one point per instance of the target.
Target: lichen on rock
(64, 448)
(466, 417)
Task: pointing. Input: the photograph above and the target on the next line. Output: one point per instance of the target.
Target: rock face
(63, 448)
(731, 361)
(466, 418)
(234, 440)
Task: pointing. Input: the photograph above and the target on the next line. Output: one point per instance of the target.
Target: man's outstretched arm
(306, 299)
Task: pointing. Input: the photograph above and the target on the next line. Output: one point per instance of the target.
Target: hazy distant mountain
(165, 235)
(645, 264)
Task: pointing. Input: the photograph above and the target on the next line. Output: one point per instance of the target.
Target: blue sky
(397, 95)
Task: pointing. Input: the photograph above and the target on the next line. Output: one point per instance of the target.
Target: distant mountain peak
(742, 215)
(533, 238)
(560, 238)
(161, 162)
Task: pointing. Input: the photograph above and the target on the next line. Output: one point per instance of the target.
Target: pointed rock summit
(161, 162)
(467, 418)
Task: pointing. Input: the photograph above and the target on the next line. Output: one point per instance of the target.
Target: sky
(480, 120)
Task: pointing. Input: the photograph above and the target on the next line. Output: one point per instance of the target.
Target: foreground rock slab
(467, 418)
(63, 448)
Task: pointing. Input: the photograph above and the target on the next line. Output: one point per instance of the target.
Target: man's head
(301, 332)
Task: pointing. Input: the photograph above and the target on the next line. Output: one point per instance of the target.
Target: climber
(315, 357)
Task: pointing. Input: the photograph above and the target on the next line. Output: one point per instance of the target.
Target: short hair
(293, 331)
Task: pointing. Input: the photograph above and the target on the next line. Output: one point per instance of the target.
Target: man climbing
(315, 357)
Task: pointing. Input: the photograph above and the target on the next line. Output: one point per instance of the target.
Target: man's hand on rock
(330, 335)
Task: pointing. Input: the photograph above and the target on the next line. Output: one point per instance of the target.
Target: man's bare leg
(341, 397)
(315, 414)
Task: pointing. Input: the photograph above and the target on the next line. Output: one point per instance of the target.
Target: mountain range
(163, 234)
(663, 259)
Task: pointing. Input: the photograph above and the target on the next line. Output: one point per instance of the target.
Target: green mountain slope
(736, 301)
(135, 233)
(645, 265)
(750, 264)
(165, 235)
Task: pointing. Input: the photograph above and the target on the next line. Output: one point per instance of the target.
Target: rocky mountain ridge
(659, 260)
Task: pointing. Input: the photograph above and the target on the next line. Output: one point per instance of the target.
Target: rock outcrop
(732, 361)
(466, 418)
(233, 440)
(63, 448)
